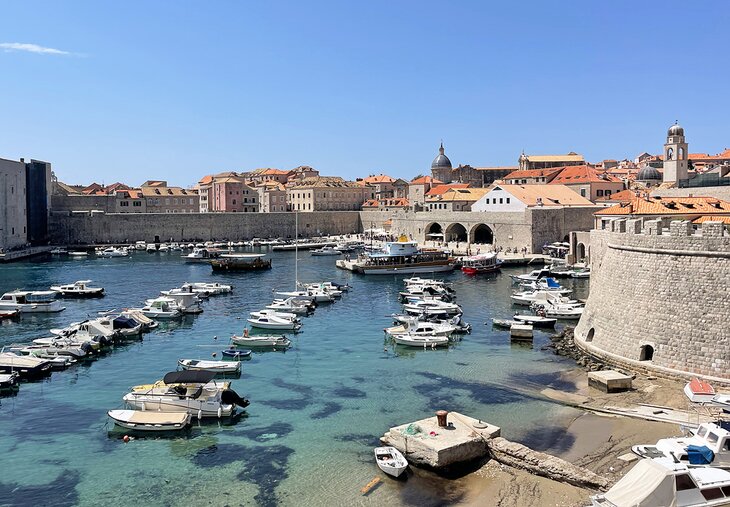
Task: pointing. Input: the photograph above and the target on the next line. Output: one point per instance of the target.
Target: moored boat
(390, 460)
(211, 366)
(536, 320)
(27, 367)
(402, 257)
(480, 264)
(79, 289)
(145, 420)
(268, 341)
(236, 354)
(411, 340)
(31, 301)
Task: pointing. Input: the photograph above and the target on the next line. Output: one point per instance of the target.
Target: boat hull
(403, 269)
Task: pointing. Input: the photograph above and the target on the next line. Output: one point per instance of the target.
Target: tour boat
(326, 250)
(31, 301)
(699, 391)
(663, 483)
(249, 340)
(272, 322)
(9, 381)
(416, 327)
(291, 305)
(411, 340)
(144, 420)
(240, 262)
(481, 263)
(390, 461)
(26, 367)
(532, 276)
(162, 308)
(8, 314)
(189, 391)
(236, 354)
(79, 289)
(505, 323)
(689, 450)
(432, 308)
(402, 257)
(536, 320)
(520, 330)
(211, 366)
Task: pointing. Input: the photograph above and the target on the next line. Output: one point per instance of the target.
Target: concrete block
(609, 381)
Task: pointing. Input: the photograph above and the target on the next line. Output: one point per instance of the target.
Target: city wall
(659, 298)
(80, 228)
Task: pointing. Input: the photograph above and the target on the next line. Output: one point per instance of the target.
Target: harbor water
(316, 410)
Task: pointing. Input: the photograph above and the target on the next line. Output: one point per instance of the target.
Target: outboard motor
(86, 347)
(231, 397)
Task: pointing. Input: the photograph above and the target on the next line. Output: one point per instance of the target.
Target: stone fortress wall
(660, 298)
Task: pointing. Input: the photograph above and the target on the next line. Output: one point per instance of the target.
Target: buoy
(215, 337)
(125, 438)
(214, 354)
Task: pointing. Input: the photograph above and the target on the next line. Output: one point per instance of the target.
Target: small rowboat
(536, 320)
(390, 461)
(150, 420)
(211, 366)
(412, 340)
(506, 323)
(237, 354)
(699, 391)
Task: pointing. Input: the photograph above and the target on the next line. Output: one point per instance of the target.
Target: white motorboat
(505, 323)
(526, 298)
(291, 305)
(583, 273)
(27, 367)
(151, 248)
(532, 276)
(664, 483)
(416, 327)
(140, 245)
(55, 349)
(253, 341)
(100, 330)
(189, 391)
(272, 322)
(79, 289)
(59, 251)
(139, 317)
(187, 302)
(432, 307)
(326, 287)
(9, 381)
(291, 317)
(31, 301)
(411, 340)
(164, 248)
(78, 253)
(213, 288)
(688, 450)
(113, 252)
(326, 250)
(390, 460)
(6, 313)
(699, 391)
(520, 330)
(417, 280)
(548, 284)
(308, 295)
(162, 308)
(559, 311)
(144, 420)
(211, 366)
(536, 320)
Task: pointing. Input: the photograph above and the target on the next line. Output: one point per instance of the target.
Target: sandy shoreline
(589, 440)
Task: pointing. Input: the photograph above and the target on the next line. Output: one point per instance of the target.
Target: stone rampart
(659, 298)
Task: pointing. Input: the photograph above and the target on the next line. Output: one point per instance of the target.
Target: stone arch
(682, 154)
(589, 336)
(646, 353)
(456, 232)
(481, 234)
(434, 228)
(566, 238)
(580, 252)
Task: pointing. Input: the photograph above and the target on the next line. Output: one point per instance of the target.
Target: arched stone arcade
(456, 232)
(434, 232)
(481, 234)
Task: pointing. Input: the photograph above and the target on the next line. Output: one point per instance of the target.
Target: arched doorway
(434, 232)
(581, 252)
(589, 336)
(647, 353)
(456, 232)
(481, 234)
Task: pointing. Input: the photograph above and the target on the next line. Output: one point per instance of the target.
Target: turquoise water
(316, 410)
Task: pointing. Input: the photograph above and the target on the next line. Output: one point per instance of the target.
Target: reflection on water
(316, 410)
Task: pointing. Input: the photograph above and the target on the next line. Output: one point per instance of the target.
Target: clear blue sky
(178, 89)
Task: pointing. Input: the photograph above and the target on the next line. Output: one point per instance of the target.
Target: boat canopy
(648, 484)
(122, 322)
(188, 377)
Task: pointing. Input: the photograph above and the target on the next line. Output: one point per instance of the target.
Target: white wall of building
(498, 200)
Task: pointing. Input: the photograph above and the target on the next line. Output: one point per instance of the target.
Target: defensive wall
(659, 298)
(92, 227)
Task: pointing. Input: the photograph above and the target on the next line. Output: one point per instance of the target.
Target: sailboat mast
(296, 250)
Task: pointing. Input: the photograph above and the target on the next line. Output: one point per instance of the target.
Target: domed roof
(675, 130)
(441, 161)
(648, 173)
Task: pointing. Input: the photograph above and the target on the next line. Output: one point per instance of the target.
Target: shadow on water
(440, 386)
(219, 454)
(290, 404)
(330, 408)
(266, 433)
(289, 386)
(267, 468)
(58, 493)
(348, 392)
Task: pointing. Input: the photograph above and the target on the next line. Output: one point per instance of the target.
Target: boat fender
(200, 414)
(219, 412)
(142, 406)
(126, 439)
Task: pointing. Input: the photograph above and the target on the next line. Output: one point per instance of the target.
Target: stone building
(675, 155)
(442, 170)
(258, 176)
(455, 199)
(13, 211)
(588, 182)
(389, 204)
(517, 198)
(164, 199)
(647, 207)
(527, 162)
(418, 188)
(231, 194)
(658, 300)
(324, 193)
(441, 166)
(532, 176)
(272, 197)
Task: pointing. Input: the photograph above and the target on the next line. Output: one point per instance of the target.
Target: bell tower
(675, 155)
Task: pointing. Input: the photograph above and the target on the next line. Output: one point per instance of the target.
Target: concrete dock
(424, 442)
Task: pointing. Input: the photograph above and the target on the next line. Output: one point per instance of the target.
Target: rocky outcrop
(563, 344)
(538, 463)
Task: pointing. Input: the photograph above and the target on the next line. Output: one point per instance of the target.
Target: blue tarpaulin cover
(699, 454)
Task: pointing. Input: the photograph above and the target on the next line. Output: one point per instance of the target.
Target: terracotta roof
(712, 218)
(167, 192)
(533, 173)
(655, 205)
(441, 189)
(229, 179)
(205, 180)
(460, 194)
(623, 195)
(582, 174)
(423, 180)
(380, 178)
(551, 195)
(322, 181)
(395, 201)
(570, 157)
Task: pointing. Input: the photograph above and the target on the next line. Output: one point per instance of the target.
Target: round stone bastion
(660, 298)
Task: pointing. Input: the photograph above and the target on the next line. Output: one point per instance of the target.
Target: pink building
(232, 194)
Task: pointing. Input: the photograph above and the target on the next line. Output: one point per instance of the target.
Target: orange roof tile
(712, 218)
(623, 195)
(423, 180)
(533, 173)
(655, 205)
(442, 189)
(582, 174)
(379, 178)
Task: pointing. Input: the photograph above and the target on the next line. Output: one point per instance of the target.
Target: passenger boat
(402, 257)
(520, 330)
(699, 391)
(79, 289)
(692, 450)
(189, 391)
(249, 340)
(390, 461)
(31, 301)
(240, 262)
(143, 420)
(237, 354)
(27, 367)
(411, 340)
(664, 483)
(211, 366)
(272, 322)
(325, 250)
(479, 264)
(536, 320)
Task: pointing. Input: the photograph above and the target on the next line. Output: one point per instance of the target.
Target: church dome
(648, 173)
(441, 161)
(675, 130)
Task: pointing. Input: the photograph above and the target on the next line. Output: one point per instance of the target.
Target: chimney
(22, 160)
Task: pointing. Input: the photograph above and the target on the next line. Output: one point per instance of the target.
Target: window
(684, 482)
(124, 203)
(137, 204)
(245, 199)
(167, 200)
(234, 201)
(712, 438)
(191, 200)
(500, 200)
(12, 230)
(599, 193)
(607, 193)
(174, 200)
(712, 493)
(582, 192)
(508, 200)
(12, 190)
(646, 353)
